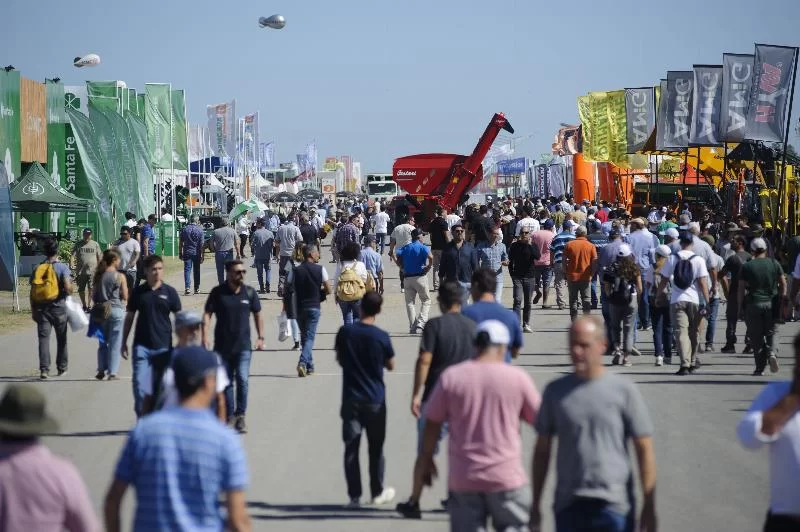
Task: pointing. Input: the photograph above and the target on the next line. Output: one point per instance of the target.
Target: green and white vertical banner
(107, 94)
(10, 147)
(180, 149)
(143, 168)
(56, 130)
(157, 119)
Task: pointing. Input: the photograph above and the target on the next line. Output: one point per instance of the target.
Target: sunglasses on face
(239, 272)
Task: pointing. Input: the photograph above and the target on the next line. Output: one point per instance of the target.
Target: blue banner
(8, 255)
(512, 166)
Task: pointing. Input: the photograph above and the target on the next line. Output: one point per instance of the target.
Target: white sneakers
(527, 328)
(385, 497)
(659, 360)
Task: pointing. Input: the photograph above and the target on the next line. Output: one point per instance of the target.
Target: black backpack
(683, 274)
(621, 291)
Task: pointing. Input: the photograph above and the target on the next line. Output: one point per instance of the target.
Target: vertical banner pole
(782, 182)
(172, 166)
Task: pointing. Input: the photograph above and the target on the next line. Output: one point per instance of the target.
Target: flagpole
(782, 182)
(188, 161)
(172, 167)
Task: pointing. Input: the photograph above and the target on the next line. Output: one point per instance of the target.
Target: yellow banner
(601, 128)
(618, 129)
(586, 130)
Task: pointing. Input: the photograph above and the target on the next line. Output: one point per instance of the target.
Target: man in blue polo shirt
(181, 459)
(485, 307)
(416, 260)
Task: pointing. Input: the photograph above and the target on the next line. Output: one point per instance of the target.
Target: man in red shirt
(580, 263)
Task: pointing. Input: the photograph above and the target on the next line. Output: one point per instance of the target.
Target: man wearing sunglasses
(232, 303)
(129, 251)
(459, 260)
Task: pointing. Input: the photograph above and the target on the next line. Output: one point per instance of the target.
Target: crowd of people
(668, 271)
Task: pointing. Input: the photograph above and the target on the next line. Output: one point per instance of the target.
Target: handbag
(76, 318)
(100, 311)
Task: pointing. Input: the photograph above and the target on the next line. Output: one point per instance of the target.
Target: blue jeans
(141, 373)
(238, 367)
(381, 238)
(262, 266)
(498, 291)
(595, 287)
(308, 319)
(662, 330)
(592, 515)
(644, 307)
(295, 328)
(351, 311)
(713, 312)
(467, 288)
(191, 265)
(110, 349)
(605, 308)
(220, 258)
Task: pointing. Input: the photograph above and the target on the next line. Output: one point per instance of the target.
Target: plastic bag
(283, 327)
(76, 317)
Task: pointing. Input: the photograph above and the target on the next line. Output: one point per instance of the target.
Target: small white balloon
(88, 60)
(275, 22)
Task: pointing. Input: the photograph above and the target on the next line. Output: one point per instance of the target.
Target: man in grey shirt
(225, 243)
(129, 251)
(593, 413)
(288, 235)
(261, 242)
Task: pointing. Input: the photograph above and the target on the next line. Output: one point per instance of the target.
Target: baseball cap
(548, 224)
(664, 209)
(568, 224)
(192, 364)
(671, 232)
(415, 233)
(663, 250)
(613, 233)
(758, 244)
(731, 227)
(624, 250)
(187, 318)
(87, 231)
(685, 236)
(369, 239)
(457, 224)
(497, 331)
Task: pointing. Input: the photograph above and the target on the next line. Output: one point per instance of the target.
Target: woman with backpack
(660, 315)
(622, 284)
(109, 297)
(351, 282)
(290, 296)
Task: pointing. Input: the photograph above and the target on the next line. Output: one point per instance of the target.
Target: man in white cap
(671, 239)
(762, 286)
(483, 401)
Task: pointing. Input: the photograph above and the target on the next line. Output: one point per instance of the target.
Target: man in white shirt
(452, 219)
(380, 224)
(773, 420)
(401, 236)
(684, 301)
(529, 222)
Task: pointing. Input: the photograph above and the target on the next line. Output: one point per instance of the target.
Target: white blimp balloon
(88, 60)
(276, 22)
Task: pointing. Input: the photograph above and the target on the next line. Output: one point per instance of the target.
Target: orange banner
(33, 121)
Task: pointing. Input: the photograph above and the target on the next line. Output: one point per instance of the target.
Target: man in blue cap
(181, 459)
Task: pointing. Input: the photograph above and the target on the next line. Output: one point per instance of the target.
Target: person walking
(153, 301)
(310, 283)
(482, 401)
(643, 244)
(224, 243)
(190, 251)
(87, 255)
(762, 287)
(380, 225)
(660, 311)
(493, 255)
(262, 242)
(446, 340)
(599, 240)
(232, 304)
(733, 268)
(440, 235)
(592, 413)
(129, 251)
(290, 296)
(542, 268)
(373, 261)
(243, 225)
(350, 282)
(181, 460)
(401, 237)
(459, 260)
(622, 283)
(689, 280)
(309, 232)
(416, 260)
(557, 246)
(772, 420)
(41, 492)
(363, 351)
(109, 298)
(51, 284)
(287, 236)
(523, 256)
(580, 263)
(348, 232)
(485, 307)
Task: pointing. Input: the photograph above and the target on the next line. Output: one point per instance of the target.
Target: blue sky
(381, 79)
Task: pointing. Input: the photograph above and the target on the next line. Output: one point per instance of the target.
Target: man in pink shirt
(542, 271)
(482, 400)
(39, 491)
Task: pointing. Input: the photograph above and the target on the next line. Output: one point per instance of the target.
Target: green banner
(141, 159)
(56, 124)
(618, 129)
(601, 130)
(157, 118)
(10, 148)
(76, 181)
(109, 139)
(81, 139)
(180, 150)
(585, 115)
(140, 105)
(104, 94)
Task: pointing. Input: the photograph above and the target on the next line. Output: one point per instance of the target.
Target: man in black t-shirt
(309, 232)
(153, 301)
(308, 281)
(733, 266)
(233, 302)
(521, 267)
(364, 351)
(481, 227)
(446, 340)
(440, 235)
